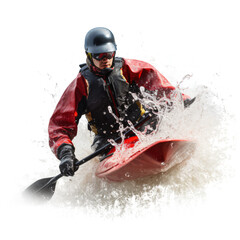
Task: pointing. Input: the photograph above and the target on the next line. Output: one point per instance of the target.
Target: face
(103, 63)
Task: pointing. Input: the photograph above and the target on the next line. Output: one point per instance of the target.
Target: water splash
(204, 122)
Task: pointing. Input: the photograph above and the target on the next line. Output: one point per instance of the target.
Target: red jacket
(63, 125)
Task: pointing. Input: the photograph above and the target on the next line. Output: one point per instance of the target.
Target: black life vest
(110, 100)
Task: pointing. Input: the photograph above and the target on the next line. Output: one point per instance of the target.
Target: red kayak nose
(130, 163)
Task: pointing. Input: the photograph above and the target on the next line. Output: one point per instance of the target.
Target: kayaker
(104, 91)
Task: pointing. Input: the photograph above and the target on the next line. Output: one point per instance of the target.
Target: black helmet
(100, 40)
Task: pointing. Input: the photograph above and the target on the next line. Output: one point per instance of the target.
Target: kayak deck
(134, 163)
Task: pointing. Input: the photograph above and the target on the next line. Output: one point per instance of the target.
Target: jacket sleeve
(63, 123)
(144, 74)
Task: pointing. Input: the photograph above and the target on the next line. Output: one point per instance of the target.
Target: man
(104, 91)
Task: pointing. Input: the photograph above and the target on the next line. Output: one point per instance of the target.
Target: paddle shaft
(102, 149)
(96, 153)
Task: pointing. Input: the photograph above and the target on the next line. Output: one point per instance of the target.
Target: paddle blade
(42, 189)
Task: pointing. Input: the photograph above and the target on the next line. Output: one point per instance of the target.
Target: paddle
(44, 189)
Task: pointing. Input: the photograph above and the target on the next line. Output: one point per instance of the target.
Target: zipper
(112, 98)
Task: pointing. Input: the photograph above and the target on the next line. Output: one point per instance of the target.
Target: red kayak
(131, 161)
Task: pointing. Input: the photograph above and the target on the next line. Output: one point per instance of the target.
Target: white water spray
(203, 122)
